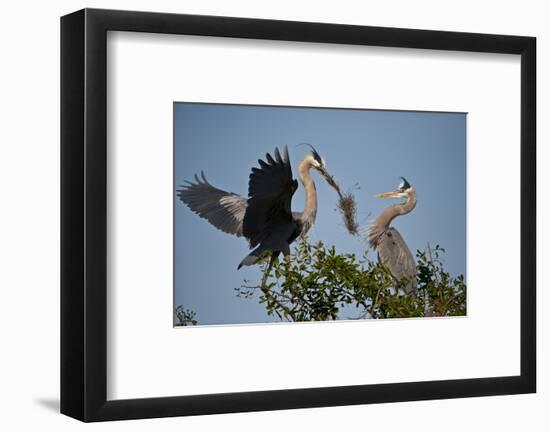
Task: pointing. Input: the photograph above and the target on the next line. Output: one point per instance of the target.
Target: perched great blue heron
(265, 218)
(388, 242)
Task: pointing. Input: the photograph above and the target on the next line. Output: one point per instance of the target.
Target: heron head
(318, 163)
(403, 190)
(314, 159)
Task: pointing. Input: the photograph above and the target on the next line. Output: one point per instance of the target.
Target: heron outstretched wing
(270, 190)
(223, 210)
(393, 251)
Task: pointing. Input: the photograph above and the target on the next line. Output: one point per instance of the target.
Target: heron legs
(272, 260)
(274, 257)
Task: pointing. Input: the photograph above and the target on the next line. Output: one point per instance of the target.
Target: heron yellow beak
(395, 194)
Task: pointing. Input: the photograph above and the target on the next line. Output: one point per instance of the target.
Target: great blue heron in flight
(388, 242)
(265, 218)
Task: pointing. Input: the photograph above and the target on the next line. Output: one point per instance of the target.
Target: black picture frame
(84, 214)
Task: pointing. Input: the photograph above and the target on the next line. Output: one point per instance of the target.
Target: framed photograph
(262, 215)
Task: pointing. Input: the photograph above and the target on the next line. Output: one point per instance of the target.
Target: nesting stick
(347, 207)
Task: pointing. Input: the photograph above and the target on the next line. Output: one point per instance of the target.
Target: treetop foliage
(320, 284)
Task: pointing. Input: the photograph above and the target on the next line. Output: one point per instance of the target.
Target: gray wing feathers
(223, 210)
(393, 251)
(270, 190)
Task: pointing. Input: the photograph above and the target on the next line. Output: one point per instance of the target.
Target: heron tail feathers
(248, 260)
(252, 258)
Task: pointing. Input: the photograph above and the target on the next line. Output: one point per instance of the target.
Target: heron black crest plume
(404, 184)
(314, 153)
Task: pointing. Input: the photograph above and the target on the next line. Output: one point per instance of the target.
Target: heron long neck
(310, 208)
(382, 222)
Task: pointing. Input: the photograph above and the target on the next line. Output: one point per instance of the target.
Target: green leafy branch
(185, 316)
(320, 284)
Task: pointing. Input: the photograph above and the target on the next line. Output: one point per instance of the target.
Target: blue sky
(366, 147)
